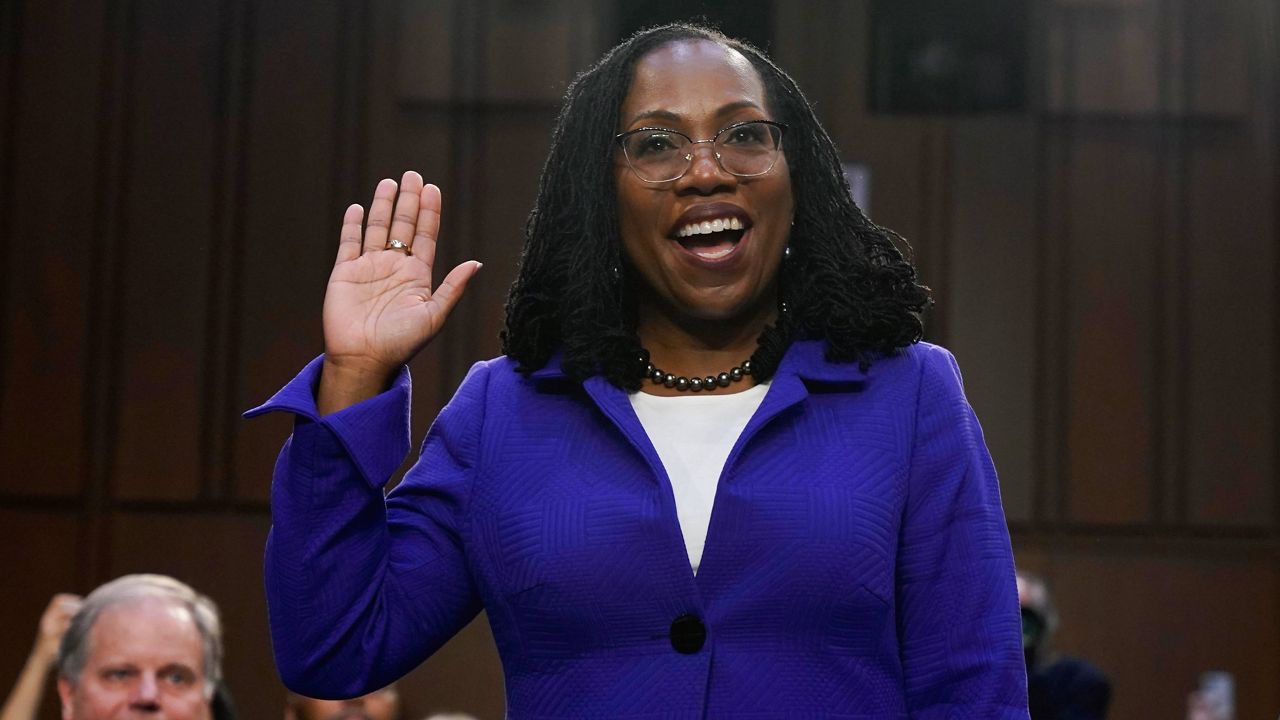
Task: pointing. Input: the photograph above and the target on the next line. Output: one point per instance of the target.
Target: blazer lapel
(803, 369)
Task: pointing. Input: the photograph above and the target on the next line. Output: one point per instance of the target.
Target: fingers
(62, 605)
(379, 223)
(57, 616)
(349, 236)
(395, 216)
(67, 601)
(428, 224)
(405, 216)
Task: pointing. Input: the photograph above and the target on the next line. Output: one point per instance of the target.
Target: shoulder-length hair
(845, 281)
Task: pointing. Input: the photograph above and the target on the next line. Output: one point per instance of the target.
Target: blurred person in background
(1058, 687)
(381, 704)
(141, 646)
(1215, 699)
(24, 700)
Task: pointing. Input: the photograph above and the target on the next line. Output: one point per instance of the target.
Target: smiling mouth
(712, 239)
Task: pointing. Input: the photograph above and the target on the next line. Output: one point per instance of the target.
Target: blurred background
(1090, 188)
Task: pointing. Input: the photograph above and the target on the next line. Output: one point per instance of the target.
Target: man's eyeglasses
(745, 149)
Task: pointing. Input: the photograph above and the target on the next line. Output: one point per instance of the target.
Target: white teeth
(714, 254)
(707, 227)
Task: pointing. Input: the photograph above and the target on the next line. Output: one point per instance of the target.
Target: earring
(786, 253)
(617, 274)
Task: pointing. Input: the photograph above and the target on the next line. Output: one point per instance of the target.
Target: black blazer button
(688, 634)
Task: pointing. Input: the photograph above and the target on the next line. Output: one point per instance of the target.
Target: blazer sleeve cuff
(374, 433)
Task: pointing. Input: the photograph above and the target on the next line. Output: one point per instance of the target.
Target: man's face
(145, 661)
(381, 705)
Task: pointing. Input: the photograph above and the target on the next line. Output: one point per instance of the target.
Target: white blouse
(693, 435)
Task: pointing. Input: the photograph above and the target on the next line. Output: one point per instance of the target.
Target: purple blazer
(857, 563)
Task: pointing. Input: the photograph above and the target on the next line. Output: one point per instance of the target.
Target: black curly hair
(845, 282)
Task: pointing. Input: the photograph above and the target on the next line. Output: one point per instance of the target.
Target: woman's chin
(726, 310)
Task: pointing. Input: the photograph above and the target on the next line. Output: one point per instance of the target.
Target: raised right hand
(380, 308)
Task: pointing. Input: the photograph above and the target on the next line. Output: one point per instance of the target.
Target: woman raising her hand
(715, 474)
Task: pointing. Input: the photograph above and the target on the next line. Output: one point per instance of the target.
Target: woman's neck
(698, 347)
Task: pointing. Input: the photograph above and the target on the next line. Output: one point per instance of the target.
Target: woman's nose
(705, 171)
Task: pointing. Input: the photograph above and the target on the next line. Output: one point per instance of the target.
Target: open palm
(380, 307)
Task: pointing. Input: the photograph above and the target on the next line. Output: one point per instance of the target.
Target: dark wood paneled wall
(1106, 266)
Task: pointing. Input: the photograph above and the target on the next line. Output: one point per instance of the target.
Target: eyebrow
(673, 117)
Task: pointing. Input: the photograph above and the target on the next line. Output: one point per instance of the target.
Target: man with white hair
(141, 646)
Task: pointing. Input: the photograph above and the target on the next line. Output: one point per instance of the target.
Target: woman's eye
(654, 143)
(746, 135)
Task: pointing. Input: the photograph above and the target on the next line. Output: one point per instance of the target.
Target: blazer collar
(806, 359)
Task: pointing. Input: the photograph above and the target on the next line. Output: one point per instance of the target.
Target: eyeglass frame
(782, 131)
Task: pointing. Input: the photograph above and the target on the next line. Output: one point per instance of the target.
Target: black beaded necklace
(696, 384)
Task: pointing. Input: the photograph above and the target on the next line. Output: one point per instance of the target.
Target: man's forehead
(141, 610)
(146, 628)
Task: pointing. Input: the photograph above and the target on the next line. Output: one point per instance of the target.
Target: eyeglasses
(745, 149)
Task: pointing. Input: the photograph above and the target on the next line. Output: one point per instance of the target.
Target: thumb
(447, 295)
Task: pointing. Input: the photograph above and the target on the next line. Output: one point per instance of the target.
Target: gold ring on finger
(394, 244)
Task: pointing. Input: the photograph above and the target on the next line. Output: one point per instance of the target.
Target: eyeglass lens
(745, 149)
